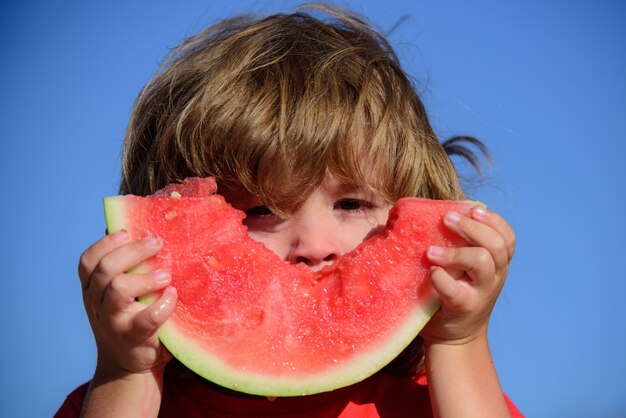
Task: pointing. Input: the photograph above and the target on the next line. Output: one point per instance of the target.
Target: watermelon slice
(249, 321)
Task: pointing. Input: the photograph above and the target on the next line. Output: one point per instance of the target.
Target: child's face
(332, 221)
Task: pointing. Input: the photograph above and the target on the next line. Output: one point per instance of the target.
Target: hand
(125, 330)
(469, 279)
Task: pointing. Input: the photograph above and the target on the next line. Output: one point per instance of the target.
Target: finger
(454, 294)
(477, 262)
(92, 255)
(125, 288)
(147, 322)
(498, 223)
(119, 261)
(479, 234)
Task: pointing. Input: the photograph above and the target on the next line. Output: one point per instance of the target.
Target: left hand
(469, 279)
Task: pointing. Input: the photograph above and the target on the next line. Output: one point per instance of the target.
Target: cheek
(351, 238)
(274, 242)
(361, 234)
(354, 233)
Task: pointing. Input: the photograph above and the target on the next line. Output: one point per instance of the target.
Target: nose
(315, 241)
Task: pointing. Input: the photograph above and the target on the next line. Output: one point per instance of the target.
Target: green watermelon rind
(113, 212)
(352, 371)
(114, 209)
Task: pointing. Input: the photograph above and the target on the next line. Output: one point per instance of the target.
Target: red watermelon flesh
(249, 321)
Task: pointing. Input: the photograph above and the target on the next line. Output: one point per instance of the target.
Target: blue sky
(541, 83)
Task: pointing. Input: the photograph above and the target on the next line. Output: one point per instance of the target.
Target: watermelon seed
(344, 347)
(212, 262)
(253, 318)
(171, 214)
(175, 195)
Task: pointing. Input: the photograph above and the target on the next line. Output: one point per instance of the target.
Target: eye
(352, 205)
(259, 212)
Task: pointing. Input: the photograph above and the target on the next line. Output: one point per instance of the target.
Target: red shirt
(382, 395)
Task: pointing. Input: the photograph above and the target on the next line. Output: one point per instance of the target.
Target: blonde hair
(274, 103)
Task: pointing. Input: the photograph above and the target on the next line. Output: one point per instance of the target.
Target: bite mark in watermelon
(251, 322)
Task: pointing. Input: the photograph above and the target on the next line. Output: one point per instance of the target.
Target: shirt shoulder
(73, 404)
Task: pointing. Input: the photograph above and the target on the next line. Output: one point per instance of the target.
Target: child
(311, 128)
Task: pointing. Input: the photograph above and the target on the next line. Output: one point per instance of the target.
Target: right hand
(125, 330)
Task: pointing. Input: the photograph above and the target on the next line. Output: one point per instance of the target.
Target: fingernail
(161, 277)
(479, 211)
(435, 251)
(153, 241)
(121, 235)
(169, 293)
(453, 217)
